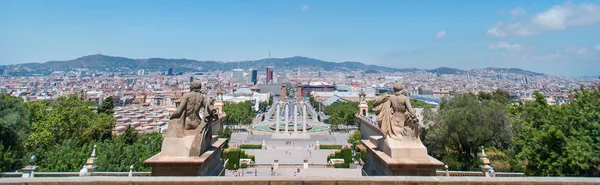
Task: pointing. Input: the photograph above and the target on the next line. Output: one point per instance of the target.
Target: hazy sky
(557, 37)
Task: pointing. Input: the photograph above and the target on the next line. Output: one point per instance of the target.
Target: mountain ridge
(118, 63)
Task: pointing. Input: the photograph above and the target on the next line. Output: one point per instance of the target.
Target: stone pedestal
(399, 158)
(28, 171)
(276, 164)
(305, 164)
(207, 164)
(189, 152)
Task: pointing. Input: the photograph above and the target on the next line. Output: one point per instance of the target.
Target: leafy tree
(465, 124)
(117, 154)
(107, 106)
(419, 104)
(240, 113)
(14, 128)
(342, 113)
(70, 117)
(560, 140)
(429, 116)
(225, 133)
(355, 138)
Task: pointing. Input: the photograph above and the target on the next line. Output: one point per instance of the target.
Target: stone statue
(186, 120)
(188, 112)
(395, 115)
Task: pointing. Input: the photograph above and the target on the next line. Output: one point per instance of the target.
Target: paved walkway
(310, 172)
(290, 156)
(258, 137)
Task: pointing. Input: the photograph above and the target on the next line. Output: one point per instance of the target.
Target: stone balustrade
(251, 180)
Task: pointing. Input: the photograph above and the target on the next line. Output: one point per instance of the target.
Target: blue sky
(556, 37)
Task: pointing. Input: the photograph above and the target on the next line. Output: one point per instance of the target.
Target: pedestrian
(271, 168)
(492, 172)
(255, 172)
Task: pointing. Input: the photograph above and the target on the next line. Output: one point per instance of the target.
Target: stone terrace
(304, 180)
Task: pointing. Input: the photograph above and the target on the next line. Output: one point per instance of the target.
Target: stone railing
(304, 180)
(477, 174)
(117, 174)
(218, 125)
(73, 174)
(368, 127)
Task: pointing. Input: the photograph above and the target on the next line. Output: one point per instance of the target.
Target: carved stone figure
(395, 115)
(188, 112)
(186, 121)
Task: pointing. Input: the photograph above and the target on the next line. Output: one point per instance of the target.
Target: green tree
(420, 104)
(107, 106)
(342, 113)
(560, 140)
(355, 138)
(67, 128)
(240, 113)
(14, 129)
(466, 123)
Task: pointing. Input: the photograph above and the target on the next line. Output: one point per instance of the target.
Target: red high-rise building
(269, 75)
(283, 92)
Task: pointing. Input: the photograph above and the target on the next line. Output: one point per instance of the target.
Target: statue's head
(196, 86)
(398, 87)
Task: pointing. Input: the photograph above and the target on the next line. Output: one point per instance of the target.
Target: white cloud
(508, 47)
(440, 34)
(517, 12)
(598, 47)
(305, 7)
(559, 17)
(576, 50)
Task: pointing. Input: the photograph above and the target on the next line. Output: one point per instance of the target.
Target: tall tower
(269, 75)
(299, 92)
(363, 107)
(283, 95)
(254, 76)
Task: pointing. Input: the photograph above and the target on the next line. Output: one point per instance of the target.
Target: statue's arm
(380, 99)
(179, 111)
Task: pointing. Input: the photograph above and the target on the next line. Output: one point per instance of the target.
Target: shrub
(363, 156)
(234, 156)
(244, 165)
(346, 154)
(234, 159)
(330, 147)
(344, 165)
(250, 146)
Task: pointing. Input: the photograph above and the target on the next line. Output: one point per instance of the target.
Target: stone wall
(368, 128)
(304, 180)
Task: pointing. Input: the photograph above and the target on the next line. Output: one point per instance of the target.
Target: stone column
(295, 118)
(277, 112)
(305, 164)
(287, 112)
(303, 117)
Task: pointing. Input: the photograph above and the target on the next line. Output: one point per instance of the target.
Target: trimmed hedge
(344, 153)
(337, 147)
(347, 155)
(234, 156)
(363, 156)
(250, 146)
(344, 165)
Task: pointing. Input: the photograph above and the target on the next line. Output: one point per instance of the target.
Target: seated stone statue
(395, 115)
(186, 121)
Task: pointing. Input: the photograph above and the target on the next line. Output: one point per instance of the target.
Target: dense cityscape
(150, 93)
(299, 92)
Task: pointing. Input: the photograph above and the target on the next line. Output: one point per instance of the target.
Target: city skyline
(553, 37)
